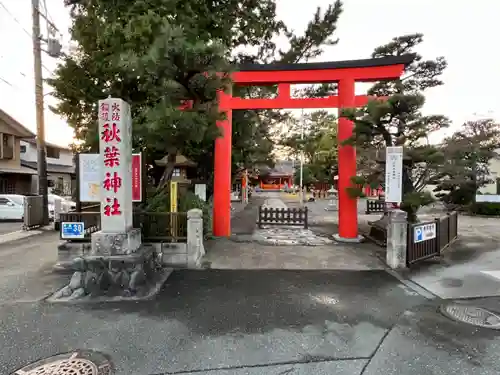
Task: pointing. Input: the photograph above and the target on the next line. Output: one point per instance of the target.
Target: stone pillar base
(137, 275)
(110, 244)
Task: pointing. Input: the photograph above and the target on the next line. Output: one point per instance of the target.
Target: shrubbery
(190, 200)
(485, 208)
(160, 202)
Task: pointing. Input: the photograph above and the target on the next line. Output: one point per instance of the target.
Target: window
(53, 152)
(23, 149)
(7, 146)
(17, 200)
(177, 172)
(4, 201)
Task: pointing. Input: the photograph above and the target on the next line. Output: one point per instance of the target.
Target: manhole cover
(82, 362)
(472, 315)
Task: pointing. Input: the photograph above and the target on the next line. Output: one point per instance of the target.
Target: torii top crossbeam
(345, 73)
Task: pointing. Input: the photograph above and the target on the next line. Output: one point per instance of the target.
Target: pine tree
(155, 53)
(398, 121)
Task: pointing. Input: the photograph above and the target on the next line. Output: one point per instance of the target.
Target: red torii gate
(346, 73)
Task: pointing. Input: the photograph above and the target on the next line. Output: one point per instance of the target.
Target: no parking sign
(424, 232)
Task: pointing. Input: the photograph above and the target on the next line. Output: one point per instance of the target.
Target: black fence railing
(282, 216)
(155, 226)
(374, 206)
(427, 240)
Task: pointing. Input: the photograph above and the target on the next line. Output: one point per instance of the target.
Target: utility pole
(40, 122)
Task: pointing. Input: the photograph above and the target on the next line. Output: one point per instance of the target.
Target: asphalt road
(218, 322)
(9, 227)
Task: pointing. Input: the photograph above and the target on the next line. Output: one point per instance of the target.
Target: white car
(11, 207)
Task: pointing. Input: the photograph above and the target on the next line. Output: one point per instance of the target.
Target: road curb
(22, 234)
(412, 285)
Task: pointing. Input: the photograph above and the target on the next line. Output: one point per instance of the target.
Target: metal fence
(33, 212)
(155, 226)
(427, 239)
(374, 206)
(282, 216)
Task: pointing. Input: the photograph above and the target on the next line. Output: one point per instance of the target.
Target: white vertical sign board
(115, 150)
(201, 191)
(394, 174)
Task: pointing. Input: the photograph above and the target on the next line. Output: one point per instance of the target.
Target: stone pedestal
(397, 239)
(109, 244)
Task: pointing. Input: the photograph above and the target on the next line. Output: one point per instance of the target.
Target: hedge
(485, 208)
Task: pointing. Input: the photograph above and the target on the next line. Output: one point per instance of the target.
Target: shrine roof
(346, 64)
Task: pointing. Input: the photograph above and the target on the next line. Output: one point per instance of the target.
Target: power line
(7, 82)
(15, 19)
(22, 27)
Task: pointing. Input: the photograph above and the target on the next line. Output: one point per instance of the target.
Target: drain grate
(82, 362)
(476, 316)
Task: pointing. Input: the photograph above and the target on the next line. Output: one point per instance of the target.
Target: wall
(65, 157)
(67, 181)
(14, 163)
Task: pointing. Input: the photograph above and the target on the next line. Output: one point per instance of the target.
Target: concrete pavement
(470, 268)
(242, 322)
(309, 321)
(258, 322)
(10, 226)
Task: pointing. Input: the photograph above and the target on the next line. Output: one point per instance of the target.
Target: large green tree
(399, 121)
(155, 53)
(314, 135)
(466, 165)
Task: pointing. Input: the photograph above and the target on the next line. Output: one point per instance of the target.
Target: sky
(459, 30)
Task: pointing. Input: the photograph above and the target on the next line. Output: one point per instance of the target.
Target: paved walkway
(240, 322)
(258, 322)
(244, 251)
(470, 267)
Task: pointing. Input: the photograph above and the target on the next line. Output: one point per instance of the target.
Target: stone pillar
(195, 248)
(116, 237)
(397, 238)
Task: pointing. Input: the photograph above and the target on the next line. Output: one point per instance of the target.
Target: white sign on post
(424, 232)
(394, 174)
(201, 191)
(115, 148)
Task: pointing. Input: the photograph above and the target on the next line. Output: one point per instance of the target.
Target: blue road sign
(73, 230)
(419, 234)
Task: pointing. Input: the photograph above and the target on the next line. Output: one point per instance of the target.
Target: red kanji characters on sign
(112, 209)
(115, 116)
(111, 157)
(104, 112)
(112, 182)
(110, 133)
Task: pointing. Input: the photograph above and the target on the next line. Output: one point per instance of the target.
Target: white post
(397, 234)
(195, 248)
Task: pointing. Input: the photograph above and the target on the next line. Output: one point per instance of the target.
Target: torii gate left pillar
(345, 73)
